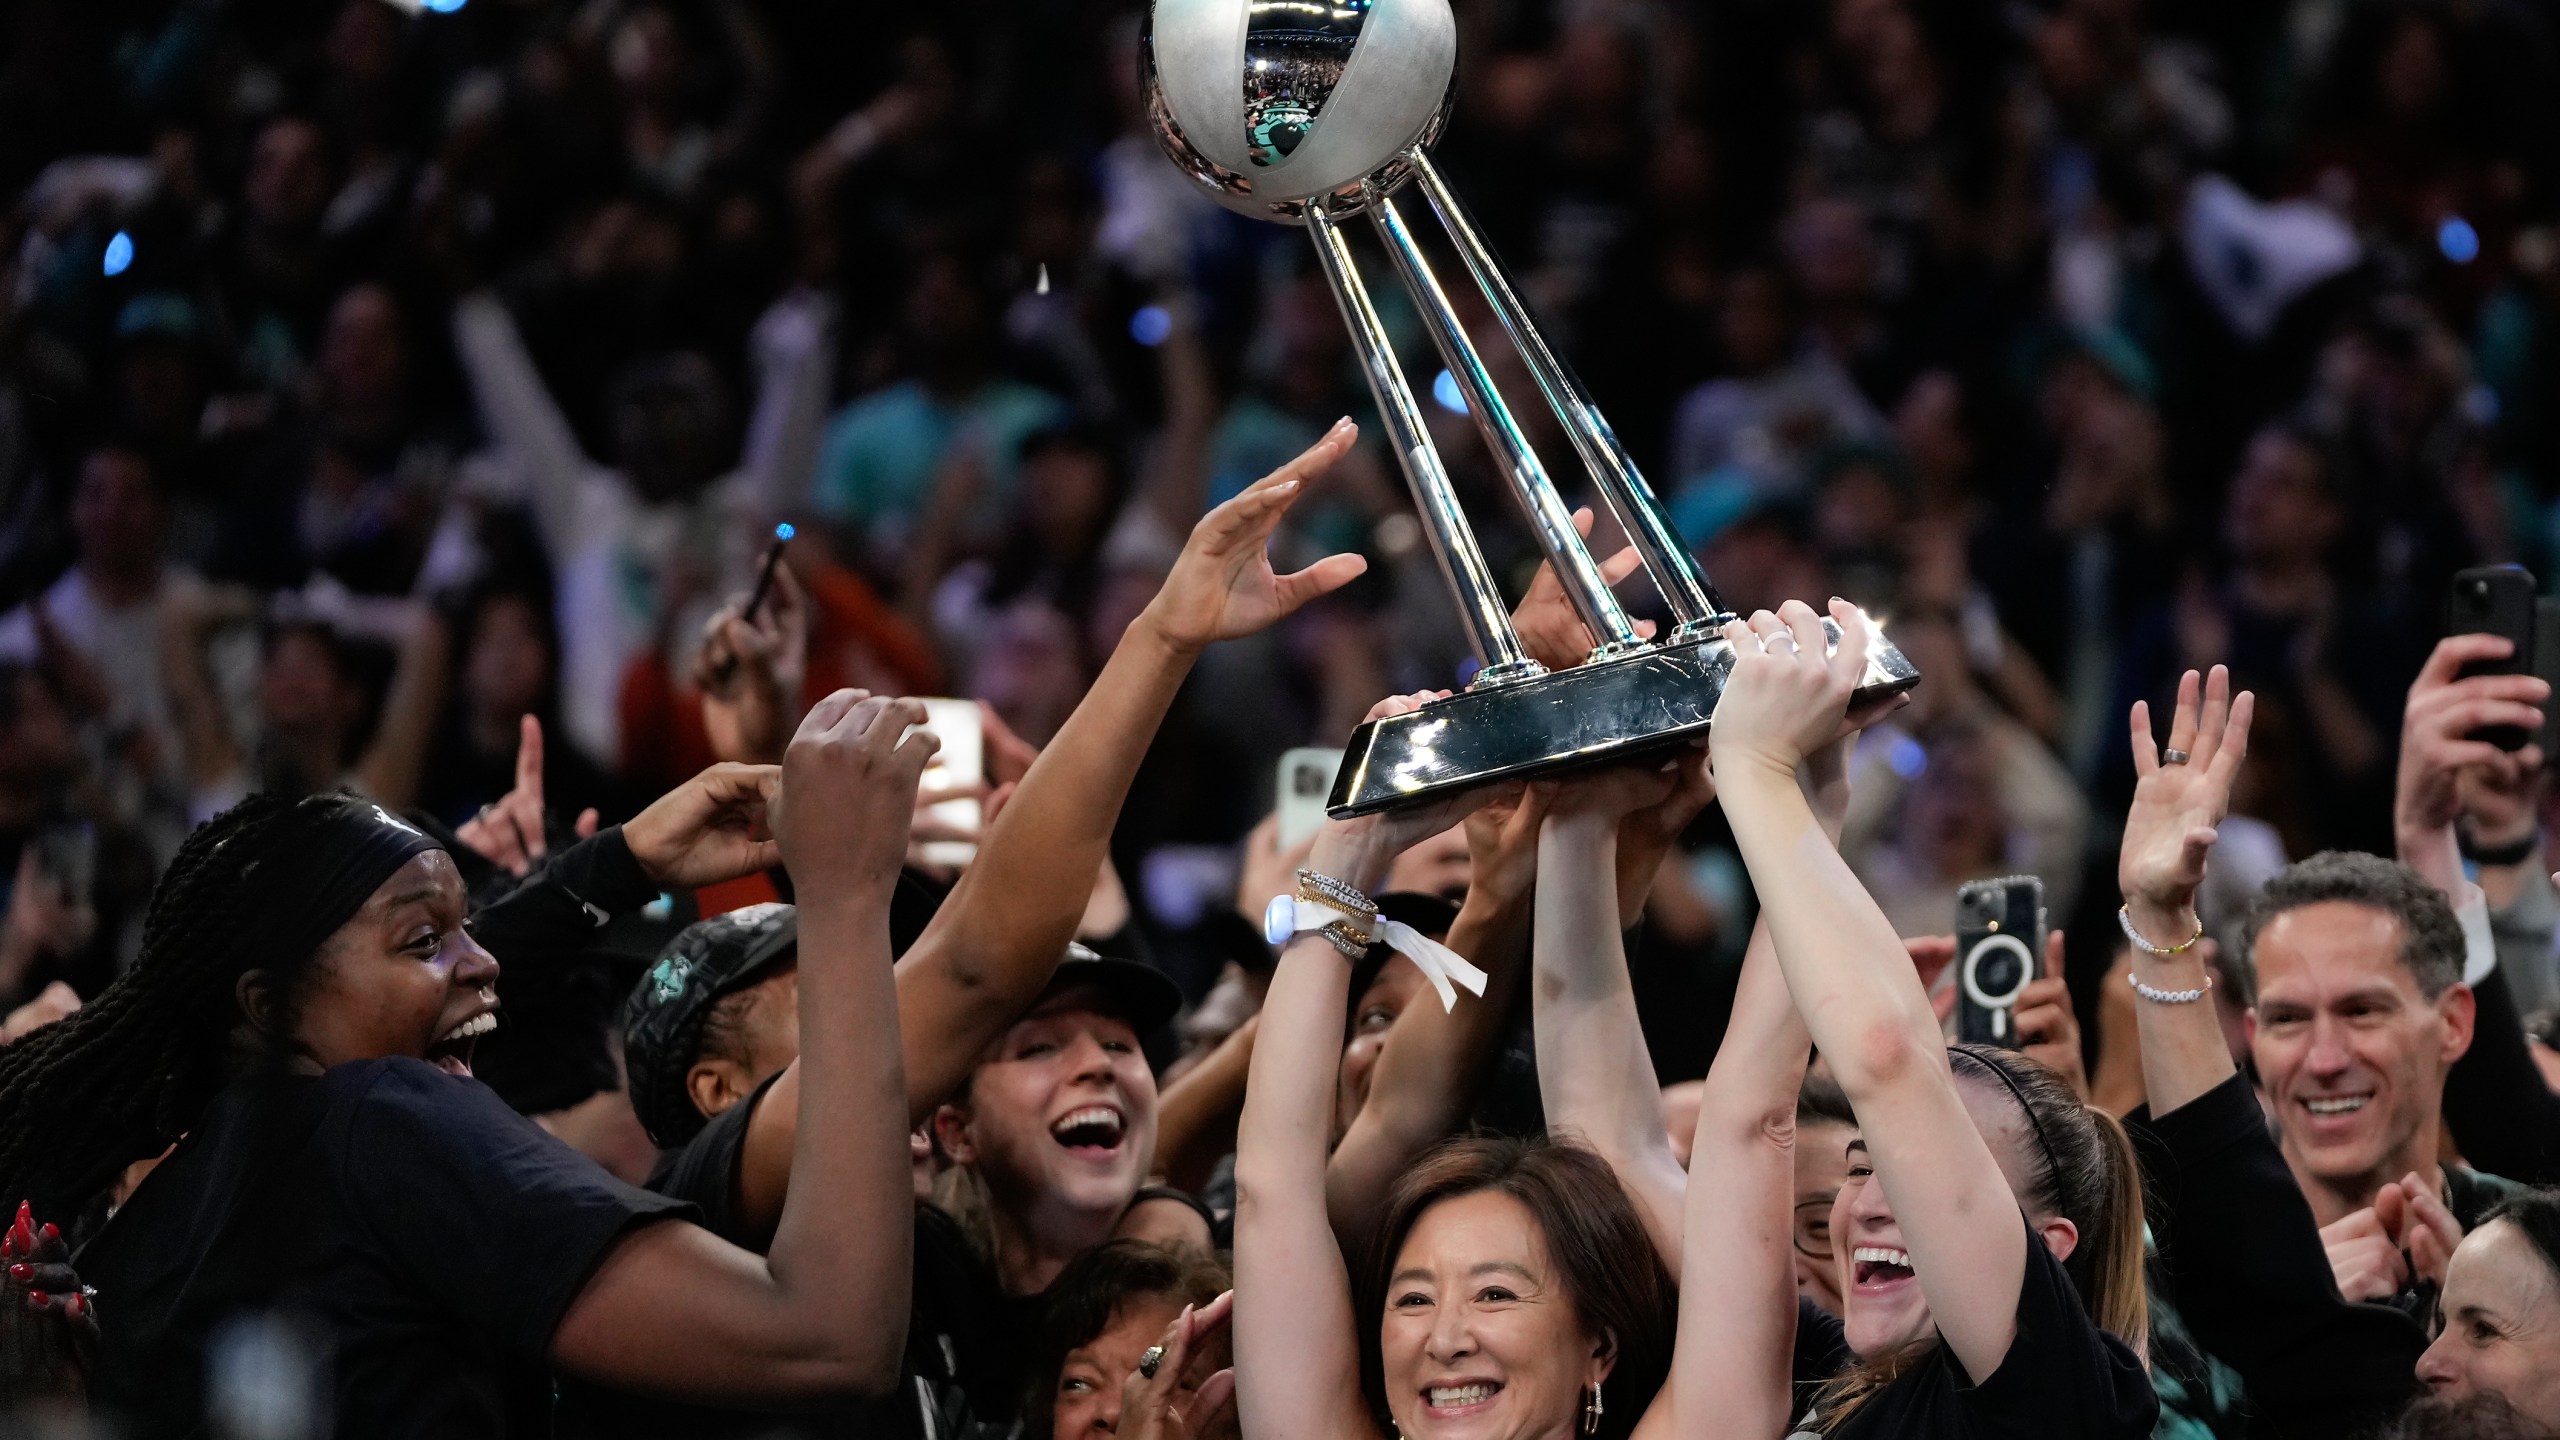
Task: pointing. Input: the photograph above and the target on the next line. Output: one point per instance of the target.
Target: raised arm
(1595, 1075)
(991, 947)
(2167, 831)
(394, 763)
(996, 938)
(1427, 1070)
(517, 411)
(1854, 985)
(1297, 1348)
(824, 1312)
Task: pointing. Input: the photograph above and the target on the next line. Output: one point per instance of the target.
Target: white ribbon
(1445, 968)
(1438, 963)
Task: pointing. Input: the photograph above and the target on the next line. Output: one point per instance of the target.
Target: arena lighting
(119, 253)
(445, 7)
(1151, 325)
(2457, 241)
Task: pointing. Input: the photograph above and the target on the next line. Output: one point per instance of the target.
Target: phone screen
(1305, 783)
(960, 762)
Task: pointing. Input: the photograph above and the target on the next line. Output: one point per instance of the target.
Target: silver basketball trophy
(1309, 112)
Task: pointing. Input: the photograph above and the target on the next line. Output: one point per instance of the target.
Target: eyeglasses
(1813, 1227)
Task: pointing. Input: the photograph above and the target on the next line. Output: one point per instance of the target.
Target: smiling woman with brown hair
(300, 1023)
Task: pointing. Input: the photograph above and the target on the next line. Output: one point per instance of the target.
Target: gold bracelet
(2124, 918)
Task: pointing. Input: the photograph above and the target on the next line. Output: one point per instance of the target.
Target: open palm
(2175, 807)
(1222, 586)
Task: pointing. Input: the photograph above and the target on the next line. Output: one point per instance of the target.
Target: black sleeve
(2252, 1280)
(1822, 1351)
(2503, 1117)
(703, 1172)
(559, 908)
(2062, 1375)
(476, 1206)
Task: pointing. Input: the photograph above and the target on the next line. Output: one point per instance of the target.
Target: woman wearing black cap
(302, 1015)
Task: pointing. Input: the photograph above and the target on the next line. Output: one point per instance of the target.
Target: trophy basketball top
(1272, 104)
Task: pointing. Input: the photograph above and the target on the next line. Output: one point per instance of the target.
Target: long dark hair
(2080, 1166)
(1599, 1248)
(123, 1077)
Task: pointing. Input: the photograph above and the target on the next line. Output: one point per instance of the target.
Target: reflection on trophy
(1310, 112)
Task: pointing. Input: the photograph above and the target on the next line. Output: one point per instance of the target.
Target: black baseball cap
(662, 1021)
(1139, 993)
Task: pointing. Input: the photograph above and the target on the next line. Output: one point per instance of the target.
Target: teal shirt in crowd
(882, 452)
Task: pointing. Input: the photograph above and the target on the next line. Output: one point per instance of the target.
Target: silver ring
(483, 815)
(1149, 1360)
(2174, 756)
(1768, 644)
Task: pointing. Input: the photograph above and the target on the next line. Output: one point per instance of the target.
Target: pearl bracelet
(2124, 919)
(2158, 996)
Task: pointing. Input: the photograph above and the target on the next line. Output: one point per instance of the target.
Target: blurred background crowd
(372, 376)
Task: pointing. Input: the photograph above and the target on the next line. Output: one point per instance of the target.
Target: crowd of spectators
(402, 399)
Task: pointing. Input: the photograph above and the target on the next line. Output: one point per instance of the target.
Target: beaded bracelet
(1325, 890)
(2124, 918)
(2158, 996)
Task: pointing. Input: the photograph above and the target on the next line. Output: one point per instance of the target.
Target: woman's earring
(1592, 1410)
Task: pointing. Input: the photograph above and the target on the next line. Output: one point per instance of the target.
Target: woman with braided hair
(300, 1023)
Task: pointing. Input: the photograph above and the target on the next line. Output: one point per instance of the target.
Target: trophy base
(1591, 714)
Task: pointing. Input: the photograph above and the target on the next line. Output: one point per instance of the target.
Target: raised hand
(1502, 845)
(848, 791)
(2442, 765)
(2048, 1028)
(1551, 631)
(1186, 1398)
(1785, 699)
(708, 829)
(48, 1319)
(750, 670)
(1222, 585)
(1359, 850)
(509, 832)
(2176, 806)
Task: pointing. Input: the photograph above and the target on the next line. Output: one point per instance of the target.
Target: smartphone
(1306, 780)
(1999, 948)
(962, 760)
(2496, 600)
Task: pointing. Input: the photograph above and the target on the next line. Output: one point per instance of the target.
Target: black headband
(2019, 1093)
(322, 871)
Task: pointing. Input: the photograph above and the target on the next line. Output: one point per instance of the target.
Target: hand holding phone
(2000, 928)
(2496, 600)
(1305, 783)
(960, 765)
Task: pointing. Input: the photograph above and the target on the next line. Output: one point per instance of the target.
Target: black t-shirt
(428, 1236)
(965, 1339)
(2063, 1378)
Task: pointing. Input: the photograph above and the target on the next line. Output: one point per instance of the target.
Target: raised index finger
(529, 756)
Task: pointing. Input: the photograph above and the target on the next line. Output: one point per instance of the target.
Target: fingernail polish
(37, 1299)
(78, 1306)
(22, 1273)
(51, 1231)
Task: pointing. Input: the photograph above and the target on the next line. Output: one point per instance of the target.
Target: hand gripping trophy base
(1591, 714)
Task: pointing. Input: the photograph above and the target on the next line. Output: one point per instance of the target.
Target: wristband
(2514, 852)
(1349, 921)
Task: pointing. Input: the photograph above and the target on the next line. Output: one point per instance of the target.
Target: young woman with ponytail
(299, 1024)
(1990, 1232)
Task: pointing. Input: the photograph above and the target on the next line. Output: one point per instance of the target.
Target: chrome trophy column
(1312, 113)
